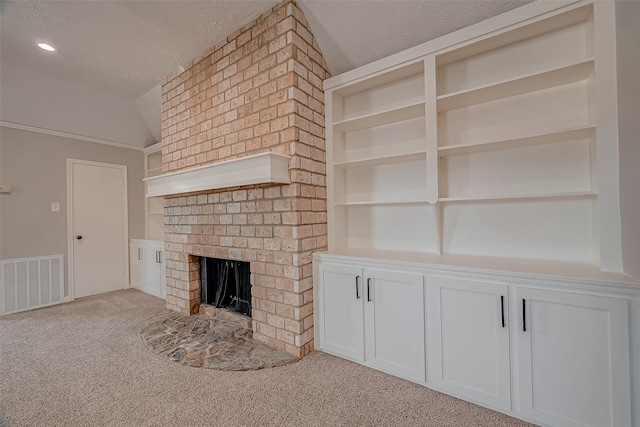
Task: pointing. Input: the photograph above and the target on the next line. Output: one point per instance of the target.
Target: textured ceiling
(126, 48)
(122, 46)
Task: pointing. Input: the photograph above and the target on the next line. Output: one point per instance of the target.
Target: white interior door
(98, 227)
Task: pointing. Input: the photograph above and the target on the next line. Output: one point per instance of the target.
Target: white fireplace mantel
(257, 169)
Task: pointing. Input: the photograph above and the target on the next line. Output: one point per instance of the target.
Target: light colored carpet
(84, 364)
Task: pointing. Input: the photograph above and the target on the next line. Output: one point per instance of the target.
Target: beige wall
(34, 165)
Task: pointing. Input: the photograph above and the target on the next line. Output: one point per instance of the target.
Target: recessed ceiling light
(46, 47)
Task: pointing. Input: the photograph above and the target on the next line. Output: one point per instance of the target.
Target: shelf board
(386, 77)
(383, 202)
(516, 86)
(383, 160)
(539, 139)
(154, 163)
(410, 110)
(566, 195)
(154, 172)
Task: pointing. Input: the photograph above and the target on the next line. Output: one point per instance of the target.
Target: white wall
(628, 64)
(34, 164)
(35, 98)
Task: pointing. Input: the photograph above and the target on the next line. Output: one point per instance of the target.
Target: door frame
(70, 236)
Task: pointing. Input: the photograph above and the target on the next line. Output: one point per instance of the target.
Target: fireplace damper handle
(357, 290)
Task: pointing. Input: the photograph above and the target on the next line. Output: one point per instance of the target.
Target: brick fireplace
(260, 90)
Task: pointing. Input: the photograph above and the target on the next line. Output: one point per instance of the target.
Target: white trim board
(257, 169)
(69, 135)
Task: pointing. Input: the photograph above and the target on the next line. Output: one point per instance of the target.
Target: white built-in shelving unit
(484, 147)
(154, 206)
(146, 256)
(473, 193)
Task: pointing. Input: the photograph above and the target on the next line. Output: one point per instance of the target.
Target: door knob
(79, 237)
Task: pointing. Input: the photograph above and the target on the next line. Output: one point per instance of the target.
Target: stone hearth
(204, 341)
(258, 91)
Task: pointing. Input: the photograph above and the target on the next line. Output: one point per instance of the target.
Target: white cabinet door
(394, 323)
(468, 339)
(153, 270)
(340, 317)
(573, 358)
(135, 265)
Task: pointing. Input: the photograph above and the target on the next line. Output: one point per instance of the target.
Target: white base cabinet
(146, 269)
(394, 322)
(573, 358)
(372, 316)
(468, 339)
(552, 350)
(340, 311)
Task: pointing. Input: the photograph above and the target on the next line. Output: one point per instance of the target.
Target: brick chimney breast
(259, 90)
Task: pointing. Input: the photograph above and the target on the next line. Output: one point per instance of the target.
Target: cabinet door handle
(357, 291)
(524, 316)
(139, 254)
(369, 289)
(502, 309)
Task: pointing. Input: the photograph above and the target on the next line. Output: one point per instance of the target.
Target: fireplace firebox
(226, 284)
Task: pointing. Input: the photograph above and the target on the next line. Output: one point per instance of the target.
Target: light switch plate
(55, 206)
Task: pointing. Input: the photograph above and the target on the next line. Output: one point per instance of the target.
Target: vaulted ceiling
(111, 55)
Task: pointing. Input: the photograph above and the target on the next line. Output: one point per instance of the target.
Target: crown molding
(36, 129)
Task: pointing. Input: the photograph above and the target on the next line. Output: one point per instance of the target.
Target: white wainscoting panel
(29, 283)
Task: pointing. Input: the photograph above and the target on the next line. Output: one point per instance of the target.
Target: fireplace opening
(226, 284)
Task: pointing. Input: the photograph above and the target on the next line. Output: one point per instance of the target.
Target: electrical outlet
(55, 206)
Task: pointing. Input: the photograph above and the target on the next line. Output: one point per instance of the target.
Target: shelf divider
(431, 129)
